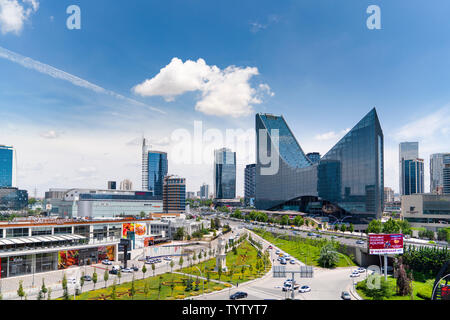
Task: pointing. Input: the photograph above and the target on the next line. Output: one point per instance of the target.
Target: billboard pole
(385, 267)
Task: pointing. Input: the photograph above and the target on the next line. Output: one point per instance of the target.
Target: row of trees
(390, 226)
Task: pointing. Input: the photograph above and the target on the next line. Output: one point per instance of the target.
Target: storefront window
(17, 232)
(100, 232)
(63, 230)
(20, 265)
(41, 231)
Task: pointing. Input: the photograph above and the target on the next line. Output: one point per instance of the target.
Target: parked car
(114, 271)
(361, 270)
(135, 268)
(304, 289)
(168, 258)
(360, 242)
(292, 261)
(345, 295)
(117, 268)
(238, 295)
(71, 281)
(88, 278)
(311, 234)
(127, 270)
(318, 236)
(283, 261)
(277, 252)
(107, 262)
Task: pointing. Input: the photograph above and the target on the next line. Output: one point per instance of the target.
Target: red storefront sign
(385, 244)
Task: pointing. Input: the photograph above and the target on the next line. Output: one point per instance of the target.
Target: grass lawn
(305, 250)
(421, 290)
(123, 290)
(246, 255)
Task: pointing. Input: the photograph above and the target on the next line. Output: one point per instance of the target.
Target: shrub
(424, 293)
(180, 296)
(217, 288)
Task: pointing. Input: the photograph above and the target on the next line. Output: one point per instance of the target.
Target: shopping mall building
(32, 245)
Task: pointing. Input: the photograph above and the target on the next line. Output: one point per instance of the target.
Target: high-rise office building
(314, 157)
(204, 191)
(413, 180)
(407, 151)
(348, 181)
(154, 169)
(224, 174)
(446, 174)
(249, 184)
(7, 166)
(112, 185)
(126, 185)
(174, 194)
(437, 168)
(388, 195)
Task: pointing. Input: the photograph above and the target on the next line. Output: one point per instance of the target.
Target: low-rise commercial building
(431, 211)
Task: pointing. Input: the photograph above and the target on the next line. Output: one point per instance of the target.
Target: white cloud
(223, 92)
(331, 135)
(51, 134)
(62, 75)
(13, 14)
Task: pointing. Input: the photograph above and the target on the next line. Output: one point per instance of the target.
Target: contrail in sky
(59, 74)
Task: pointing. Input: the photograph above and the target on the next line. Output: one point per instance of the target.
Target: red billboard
(385, 244)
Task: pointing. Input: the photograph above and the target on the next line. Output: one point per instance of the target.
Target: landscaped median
(168, 286)
(308, 250)
(243, 264)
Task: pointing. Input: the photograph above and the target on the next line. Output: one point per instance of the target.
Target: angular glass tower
(346, 182)
(157, 170)
(6, 166)
(224, 174)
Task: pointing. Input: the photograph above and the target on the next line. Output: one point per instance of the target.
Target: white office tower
(144, 164)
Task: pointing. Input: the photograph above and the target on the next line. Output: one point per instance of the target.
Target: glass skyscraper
(407, 151)
(412, 176)
(249, 184)
(224, 174)
(348, 181)
(439, 163)
(6, 166)
(157, 170)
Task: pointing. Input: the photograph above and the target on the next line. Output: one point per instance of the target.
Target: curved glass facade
(346, 181)
(224, 174)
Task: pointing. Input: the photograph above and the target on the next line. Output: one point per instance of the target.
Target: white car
(304, 289)
(107, 262)
(127, 270)
(361, 270)
(292, 261)
(354, 274)
(168, 258)
(71, 281)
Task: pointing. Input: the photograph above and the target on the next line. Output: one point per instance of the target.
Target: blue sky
(317, 64)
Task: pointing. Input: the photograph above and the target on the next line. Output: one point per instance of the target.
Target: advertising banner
(68, 258)
(106, 253)
(125, 228)
(385, 244)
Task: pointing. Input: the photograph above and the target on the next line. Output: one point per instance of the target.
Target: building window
(17, 232)
(63, 230)
(41, 231)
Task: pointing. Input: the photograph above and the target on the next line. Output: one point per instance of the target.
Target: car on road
(311, 234)
(127, 270)
(134, 268)
(361, 270)
(283, 261)
(168, 258)
(345, 295)
(113, 271)
(360, 242)
(304, 289)
(107, 262)
(318, 236)
(277, 252)
(238, 295)
(288, 286)
(270, 247)
(292, 261)
(71, 281)
(89, 278)
(354, 274)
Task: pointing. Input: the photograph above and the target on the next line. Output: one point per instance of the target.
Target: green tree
(144, 270)
(391, 226)
(114, 290)
(82, 281)
(49, 295)
(43, 288)
(132, 289)
(284, 220)
(328, 256)
(172, 264)
(219, 272)
(119, 275)
(405, 227)
(298, 221)
(106, 276)
(146, 289)
(65, 288)
(179, 235)
(94, 277)
(20, 291)
(153, 269)
(181, 261)
(142, 214)
(375, 226)
(379, 292)
(343, 228)
(351, 228)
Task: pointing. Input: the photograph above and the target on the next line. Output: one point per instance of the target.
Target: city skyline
(76, 120)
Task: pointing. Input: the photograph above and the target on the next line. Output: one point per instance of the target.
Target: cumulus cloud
(14, 13)
(225, 92)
